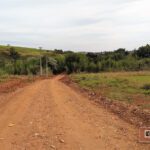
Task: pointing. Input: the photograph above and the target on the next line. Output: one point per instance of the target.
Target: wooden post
(41, 69)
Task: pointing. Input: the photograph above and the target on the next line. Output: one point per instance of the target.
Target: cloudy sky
(81, 25)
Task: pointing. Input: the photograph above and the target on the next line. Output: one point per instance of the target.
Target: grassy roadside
(10, 83)
(4, 77)
(129, 87)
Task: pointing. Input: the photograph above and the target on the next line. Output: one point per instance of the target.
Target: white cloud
(77, 24)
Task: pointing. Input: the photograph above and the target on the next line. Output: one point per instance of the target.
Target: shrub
(146, 87)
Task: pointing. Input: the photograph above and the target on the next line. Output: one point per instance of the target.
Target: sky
(79, 25)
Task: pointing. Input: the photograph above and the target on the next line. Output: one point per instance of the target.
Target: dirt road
(50, 115)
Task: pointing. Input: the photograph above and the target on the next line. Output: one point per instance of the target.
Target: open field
(129, 87)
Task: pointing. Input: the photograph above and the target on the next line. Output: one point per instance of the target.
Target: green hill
(24, 61)
(23, 51)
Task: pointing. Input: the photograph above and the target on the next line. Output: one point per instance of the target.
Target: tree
(52, 63)
(92, 56)
(58, 51)
(143, 52)
(60, 66)
(119, 54)
(14, 55)
(72, 60)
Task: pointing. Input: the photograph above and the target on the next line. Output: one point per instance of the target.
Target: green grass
(23, 51)
(122, 86)
(6, 77)
(3, 76)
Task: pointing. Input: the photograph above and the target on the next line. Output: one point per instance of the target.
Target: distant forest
(14, 61)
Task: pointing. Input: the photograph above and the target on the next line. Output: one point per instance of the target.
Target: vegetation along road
(50, 115)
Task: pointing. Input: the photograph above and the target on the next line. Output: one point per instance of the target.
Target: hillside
(24, 61)
(24, 51)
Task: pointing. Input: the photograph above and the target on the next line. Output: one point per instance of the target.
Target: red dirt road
(50, 115)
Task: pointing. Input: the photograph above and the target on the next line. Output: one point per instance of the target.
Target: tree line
(70, 62)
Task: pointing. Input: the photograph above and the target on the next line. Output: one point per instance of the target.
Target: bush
(2, 72)
(146, 87)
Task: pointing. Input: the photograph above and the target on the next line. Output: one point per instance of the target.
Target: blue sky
(80, 25)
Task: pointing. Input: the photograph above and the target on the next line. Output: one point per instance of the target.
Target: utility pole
(41, 69)
(46, 67)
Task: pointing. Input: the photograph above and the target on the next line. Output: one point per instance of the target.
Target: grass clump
(146, 87)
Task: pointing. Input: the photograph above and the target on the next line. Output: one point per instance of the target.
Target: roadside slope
(50, 115)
